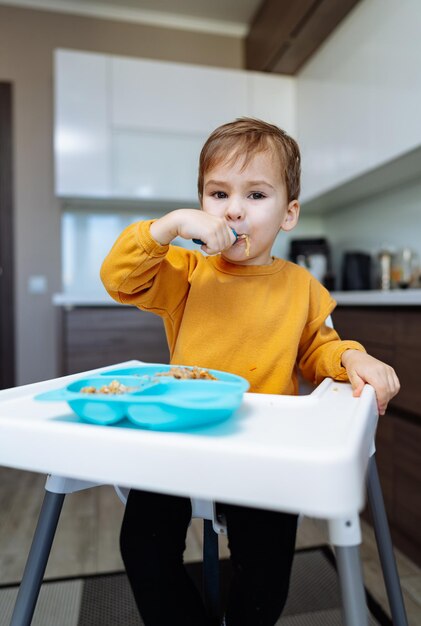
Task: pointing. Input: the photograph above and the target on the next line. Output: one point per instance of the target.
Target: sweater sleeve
(321, 348)
(140, 272)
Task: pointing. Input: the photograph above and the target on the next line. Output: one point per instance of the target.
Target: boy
(246, 312)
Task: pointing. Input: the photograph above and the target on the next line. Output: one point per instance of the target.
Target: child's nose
(235, 209)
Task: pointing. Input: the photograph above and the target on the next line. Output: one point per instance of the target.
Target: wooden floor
(87, 538)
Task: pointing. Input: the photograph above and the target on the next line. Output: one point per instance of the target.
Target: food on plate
(188, 373)
(114, 387)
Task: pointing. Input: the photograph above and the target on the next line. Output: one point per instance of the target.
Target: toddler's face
(254, 202)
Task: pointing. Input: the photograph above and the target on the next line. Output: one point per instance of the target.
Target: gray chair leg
(37, 559)
(345, 536)
(352, 588)
(384, 546)
(211, 571)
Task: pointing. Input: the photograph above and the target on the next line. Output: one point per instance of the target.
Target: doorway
(7, 322)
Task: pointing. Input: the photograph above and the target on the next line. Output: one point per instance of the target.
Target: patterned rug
(106, 599)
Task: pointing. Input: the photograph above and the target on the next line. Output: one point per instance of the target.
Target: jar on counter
(385, 257)
(405, 268)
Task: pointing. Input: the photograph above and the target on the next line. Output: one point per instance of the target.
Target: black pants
(152, 543)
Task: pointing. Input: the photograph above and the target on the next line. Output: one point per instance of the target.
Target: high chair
(342, 538)
(44, 438)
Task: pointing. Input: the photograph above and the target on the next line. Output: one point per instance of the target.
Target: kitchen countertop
(72, 299)
(395, 297)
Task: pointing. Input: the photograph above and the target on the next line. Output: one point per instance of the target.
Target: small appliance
(356, 271)
(313, 254)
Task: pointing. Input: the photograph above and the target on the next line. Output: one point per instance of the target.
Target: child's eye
(219, 194)
(256, 195)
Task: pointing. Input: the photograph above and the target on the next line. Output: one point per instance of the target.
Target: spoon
(202, 243)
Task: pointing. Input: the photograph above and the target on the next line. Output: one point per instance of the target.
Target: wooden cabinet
(406, 450)
(394, 336)
(408, 360)
(100, 336)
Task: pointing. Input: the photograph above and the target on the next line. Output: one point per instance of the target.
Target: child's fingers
(390, 390)
(220, 239)
(394, 383)
(357, 383)
(363, 368)
(387, 386)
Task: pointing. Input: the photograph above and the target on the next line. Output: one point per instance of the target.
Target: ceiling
(240, 11)
(280, 35)
(230, 16)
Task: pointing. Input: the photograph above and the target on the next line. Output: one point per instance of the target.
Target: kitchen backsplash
(392, 218)
(86, 239)
(87, 236)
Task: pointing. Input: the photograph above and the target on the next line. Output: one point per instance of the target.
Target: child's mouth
(244, 238)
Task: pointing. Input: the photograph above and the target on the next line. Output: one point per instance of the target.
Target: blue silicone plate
(154, 402)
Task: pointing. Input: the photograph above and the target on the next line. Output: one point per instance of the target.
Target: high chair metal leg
(211, 570)
(37, 559)
(56, 488)
(352, 589)
(384, 546)
(345, 536)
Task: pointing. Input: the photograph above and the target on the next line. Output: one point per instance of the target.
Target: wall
(27, 41)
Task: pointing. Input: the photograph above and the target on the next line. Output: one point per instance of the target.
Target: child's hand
(363, 368)
(194, 224)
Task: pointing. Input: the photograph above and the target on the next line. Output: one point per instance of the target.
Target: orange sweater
(258, 321)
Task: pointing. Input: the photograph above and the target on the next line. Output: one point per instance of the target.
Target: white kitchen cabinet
(175, 97)
(272, 98)
(359, 96)
(81, 134)
(133, 128)
(155, 165)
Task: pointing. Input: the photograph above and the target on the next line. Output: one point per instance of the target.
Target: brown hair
(246, 137)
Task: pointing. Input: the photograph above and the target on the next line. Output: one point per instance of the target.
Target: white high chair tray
(305, 454)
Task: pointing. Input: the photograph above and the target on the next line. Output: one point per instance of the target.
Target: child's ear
(291, 216)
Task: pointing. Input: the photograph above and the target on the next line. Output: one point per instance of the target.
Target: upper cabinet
(133, 128)
(273, 99)
(359, 100)
(173, 97)
(81, 125)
